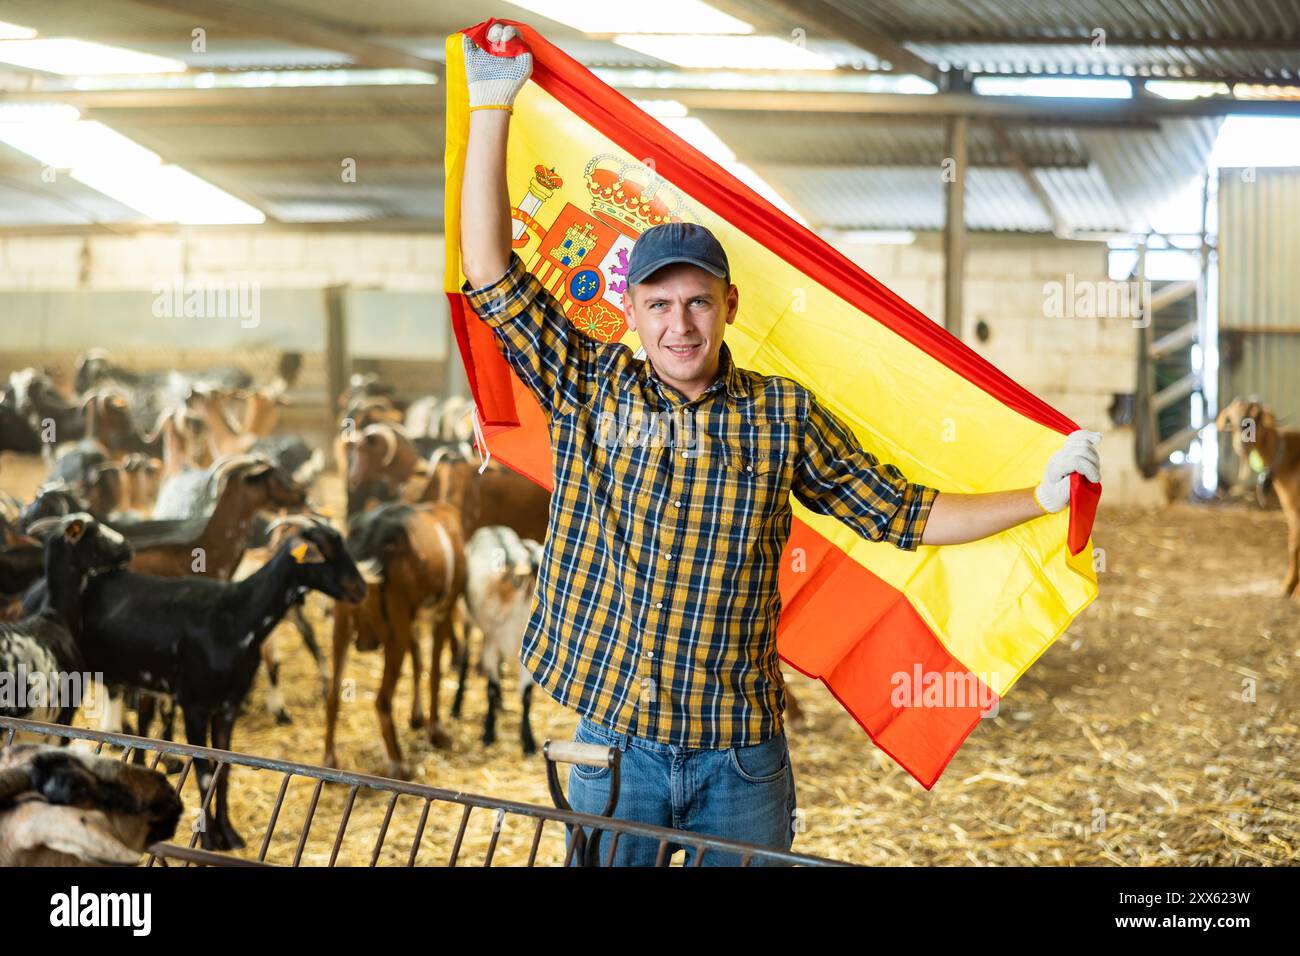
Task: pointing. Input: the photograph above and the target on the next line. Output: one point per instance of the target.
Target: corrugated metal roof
(884, 197)
(1111, 180)
(836, 139)
(1128, 38)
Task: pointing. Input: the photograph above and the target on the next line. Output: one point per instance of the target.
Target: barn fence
(328, 783)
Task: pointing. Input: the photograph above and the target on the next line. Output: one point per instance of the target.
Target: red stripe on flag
(863, 639)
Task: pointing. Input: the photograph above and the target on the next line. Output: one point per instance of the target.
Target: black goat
(47, 642)
(17, 433)
(200, 640)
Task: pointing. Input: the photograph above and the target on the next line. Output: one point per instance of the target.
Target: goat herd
(127, 564)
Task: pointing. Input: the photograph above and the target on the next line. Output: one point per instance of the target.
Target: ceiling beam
(819, 17)
(199, 118)
(1278, 44)
(377, 96)
(170, 228)
(1059, 226)
(1050, 110)
(297, 29)
(1141, 74)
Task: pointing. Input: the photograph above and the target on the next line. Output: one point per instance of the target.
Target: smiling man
(657, 601)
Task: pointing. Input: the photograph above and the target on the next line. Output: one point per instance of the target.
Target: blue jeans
(741, 793)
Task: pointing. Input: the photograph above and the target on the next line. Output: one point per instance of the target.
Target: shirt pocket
(752, 484)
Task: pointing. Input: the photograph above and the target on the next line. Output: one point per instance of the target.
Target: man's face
(680, 313)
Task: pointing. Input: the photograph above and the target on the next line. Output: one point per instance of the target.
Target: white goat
(501, 583)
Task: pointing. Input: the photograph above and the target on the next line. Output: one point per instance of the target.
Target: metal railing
(429, 797)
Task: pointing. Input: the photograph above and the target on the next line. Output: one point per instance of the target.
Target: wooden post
(338, 363)
(954, 235)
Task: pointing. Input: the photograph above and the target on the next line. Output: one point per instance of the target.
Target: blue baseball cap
(671, 242)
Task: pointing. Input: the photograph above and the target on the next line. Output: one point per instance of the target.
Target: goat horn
(302, 521)
(41, 525)
(223, 469)
(389, 434)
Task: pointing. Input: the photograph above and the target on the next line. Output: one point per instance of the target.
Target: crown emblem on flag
(631, 193)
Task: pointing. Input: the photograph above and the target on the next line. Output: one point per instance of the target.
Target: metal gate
(425, 798)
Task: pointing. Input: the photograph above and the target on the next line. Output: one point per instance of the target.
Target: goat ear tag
(299, 552)
(74, 531)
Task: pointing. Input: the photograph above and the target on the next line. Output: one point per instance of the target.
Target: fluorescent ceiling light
(73, 57)
(1183, 90)
(170, 194)
(726, 52)
(696, 132)
(692, 16)
(1053, 86)
(119, 167)
(12, 31)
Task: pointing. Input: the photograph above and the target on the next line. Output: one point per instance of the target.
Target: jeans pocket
(767, 762)
(589, 732)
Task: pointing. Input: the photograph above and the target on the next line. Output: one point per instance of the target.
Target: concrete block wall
(1074, 363)
(274, 258)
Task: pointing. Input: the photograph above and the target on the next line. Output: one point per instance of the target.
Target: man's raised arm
(555, 362)
(494, 81)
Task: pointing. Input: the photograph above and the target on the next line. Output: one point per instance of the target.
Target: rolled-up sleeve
(835, 476)
(551, 358)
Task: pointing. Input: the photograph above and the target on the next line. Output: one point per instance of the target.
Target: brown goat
(414, 555)
(498, 496)
(143, 479)
(63, 807)
(1273, 451)
(359, 414)
(245, 486)
(225, 437)
(108, 420)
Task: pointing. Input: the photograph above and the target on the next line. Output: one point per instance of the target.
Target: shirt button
(749, 468)
(650, 654)
(659, 604)
(668, 557)
(677, 503)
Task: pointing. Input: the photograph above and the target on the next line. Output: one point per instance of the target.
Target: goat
(143, 479)
(88, 469)
(17, 433)
(46, 642)
(500, 585)
(414, 555)
(52, 416)
(289, 452)
(200, 640)
(1272, 452)
(381, 459)
(211, 547)
(59, 807)
(190, 496)
(497, 496)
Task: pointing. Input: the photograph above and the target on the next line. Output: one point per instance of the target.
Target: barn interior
(1101, 199)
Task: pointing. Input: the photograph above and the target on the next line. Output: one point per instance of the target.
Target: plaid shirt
(657, 599)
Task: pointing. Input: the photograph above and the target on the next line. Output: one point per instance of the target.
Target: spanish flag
(917, 646)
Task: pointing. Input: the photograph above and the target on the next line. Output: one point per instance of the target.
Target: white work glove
(1079, 453)
(495, 81)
